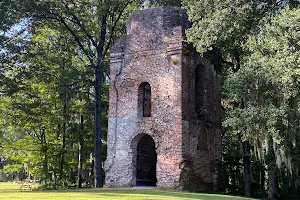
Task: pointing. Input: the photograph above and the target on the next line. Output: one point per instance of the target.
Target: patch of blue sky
(17, 28)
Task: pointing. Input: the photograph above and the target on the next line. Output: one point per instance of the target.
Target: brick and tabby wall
(185, 104)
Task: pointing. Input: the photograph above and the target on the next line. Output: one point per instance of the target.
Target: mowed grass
(10, 191)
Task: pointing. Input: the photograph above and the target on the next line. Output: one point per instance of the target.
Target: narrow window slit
(144, 100)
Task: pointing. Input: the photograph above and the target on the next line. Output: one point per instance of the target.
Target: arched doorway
(146, 162)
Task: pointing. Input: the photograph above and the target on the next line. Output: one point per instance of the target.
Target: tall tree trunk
(44, 152)
(55, 179)
(79, 173)
(272, 180)
(92, 172)
(62, 158)
(247, 168)
(80, 152)
(97, 129)
(262, 177)
(98, 109)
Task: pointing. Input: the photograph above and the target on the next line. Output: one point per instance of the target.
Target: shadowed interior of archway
(146, 162)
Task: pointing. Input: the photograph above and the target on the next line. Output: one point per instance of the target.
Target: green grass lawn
(10, 191)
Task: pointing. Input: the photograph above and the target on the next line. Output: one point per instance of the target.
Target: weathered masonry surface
(164, 124)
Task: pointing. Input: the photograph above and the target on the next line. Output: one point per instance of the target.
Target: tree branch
(78, 22)
(113, 28)
(36, 134)
(102, 34)
(75, 36)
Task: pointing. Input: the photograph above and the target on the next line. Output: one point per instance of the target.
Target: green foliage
(217, 23)
(165, 2)
(225, 26)
(263, 96)
(53, 75)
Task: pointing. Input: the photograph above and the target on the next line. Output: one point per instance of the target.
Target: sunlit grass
(11, 191)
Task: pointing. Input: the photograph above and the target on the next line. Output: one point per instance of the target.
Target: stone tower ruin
(164, 125)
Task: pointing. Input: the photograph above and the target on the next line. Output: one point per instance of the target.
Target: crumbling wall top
(164, 17)
(159, 21)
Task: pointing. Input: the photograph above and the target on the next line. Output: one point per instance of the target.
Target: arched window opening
(144, 100)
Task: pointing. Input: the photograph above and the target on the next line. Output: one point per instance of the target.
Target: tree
(44, 110)
(276, 52)
(53, 54)
(269, 89)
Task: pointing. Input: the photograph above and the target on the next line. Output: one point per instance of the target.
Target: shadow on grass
(146, 194)
(170, 194)
(120, 193)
